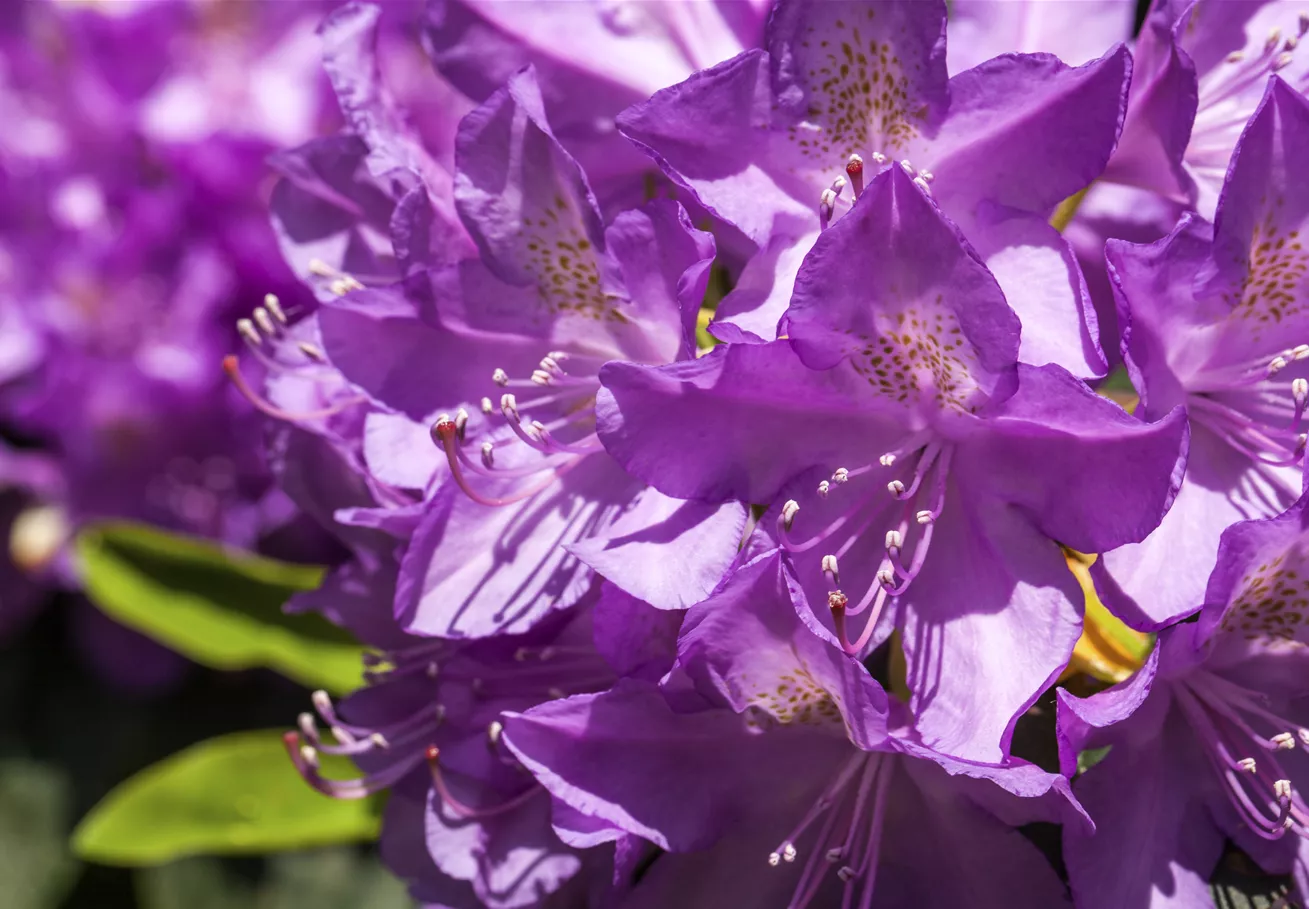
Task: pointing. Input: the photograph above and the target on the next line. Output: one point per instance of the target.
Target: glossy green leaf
(219, 606)
(236, 794)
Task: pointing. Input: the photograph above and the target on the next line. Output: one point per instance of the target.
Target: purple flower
(510, 523)
(1209, 733)
(1201, 71)
(592, 62)
(1212, 321)
(769, 747)
(895, 420)
(767, 141)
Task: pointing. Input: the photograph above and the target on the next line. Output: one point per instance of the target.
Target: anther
(1283, 741)
(1300, 391)
(774, 859)
(789, 510)
(922, 184)
(925, 517)
(379, 740)
(343, 286)
(500, 377)
(1300, 351)
(886, 460)
(788, 850)
(1303, 735)
(487, 406)
(1276, 365)
(879, 158)
(895, 488)
(274, 306)
(321, 268)
(908, 168)
(1283, 61)
(1282, 789)
(835, 855)
(1274, 36)
(927, 175)
(312, 352)
(854, 168)
(307, 725)
(845, 873)
(309, 755)
(1235, 57)
(264, 321)
(493, 730)
(322, 701)
(840, 476)
(1247, 765)
(509, 406)
(832, 570)
(893, 541)
(461, 423)
(246, 328)
(433, 670)
(823, 488)
(886, 577)
(541, 377)
(488, 455)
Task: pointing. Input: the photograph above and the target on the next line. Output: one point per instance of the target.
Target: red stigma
(445, 431)
(854, 168)
(432, 752)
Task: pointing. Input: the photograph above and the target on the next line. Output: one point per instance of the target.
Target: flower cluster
(704, 392)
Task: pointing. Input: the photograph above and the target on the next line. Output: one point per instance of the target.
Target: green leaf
(219, 606)
(35, 865)
(1090, 757)
(236, 794)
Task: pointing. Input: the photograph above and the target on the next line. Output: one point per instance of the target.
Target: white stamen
(309, 755)
(1304, 736)
(1274, 36)
(845, 873)
(1283, 741)
(788, 851)
(433, 670)
(832, 569)
(321, 268)
(908, 168)
(835, 854)
(1247, 765)
(1300, 351)
(823, 488)
(500, 377)
(886, 460)
(774, 859)
(886, 577)
(924, 517)
(895, 488)
(488, 455)
(1282, 789)
(922, 184)
(312, 352)
(541, 377)
(879, 158)
(274, 305)
(487, 406)
(893, 539)
(307, 725)
(1300, 391)
(1283, 61)
(509, 406)
(246, 328)
(1276, 365)
(1235, 57)
(840, 476)
(493, 730)
(265, 321)
(379, 740)
(789, 510)
(549, 365)
(461, 423)
(927, 175)
(322, 701)
(540, 429)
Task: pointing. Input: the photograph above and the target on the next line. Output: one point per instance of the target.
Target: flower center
(849, 816)
(1227, 719)
(905, 514)
(1251, 413)
(545, 451)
